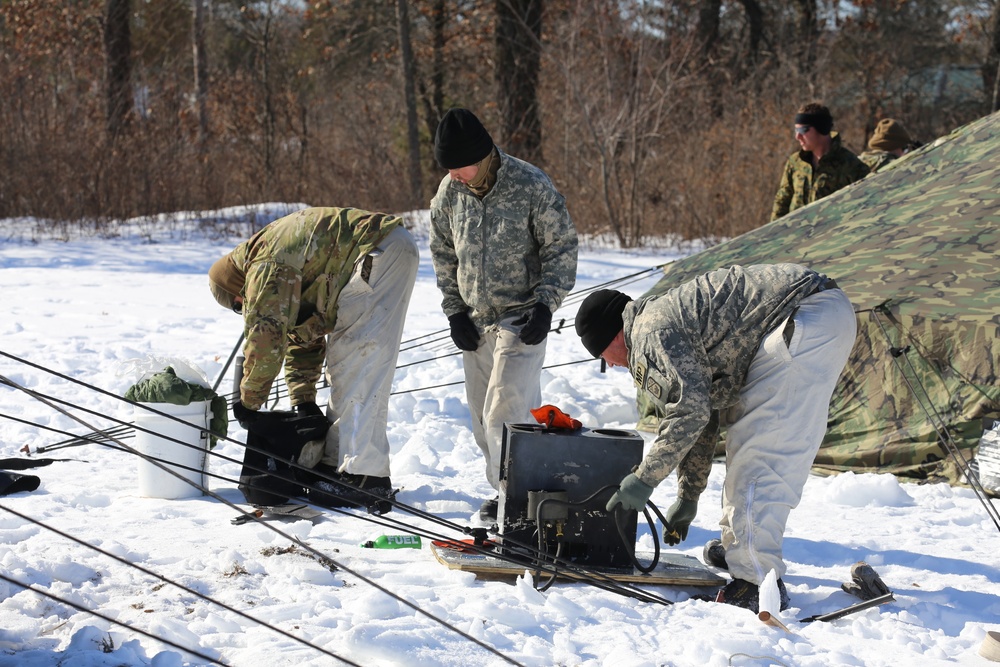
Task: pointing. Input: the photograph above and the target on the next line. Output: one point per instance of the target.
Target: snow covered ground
(100, 310)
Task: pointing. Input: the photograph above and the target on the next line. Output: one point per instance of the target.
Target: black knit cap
(600, 319)
(461, 140)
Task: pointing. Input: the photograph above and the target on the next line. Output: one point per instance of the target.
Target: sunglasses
(802, 129)
(238, 307)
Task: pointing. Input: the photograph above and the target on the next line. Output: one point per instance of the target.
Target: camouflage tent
(917, 249)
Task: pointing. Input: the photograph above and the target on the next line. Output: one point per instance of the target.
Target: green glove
(679, 518)
(632, 494)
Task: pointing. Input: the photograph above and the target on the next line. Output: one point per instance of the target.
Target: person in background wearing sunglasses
(321, 284)
(821, 167)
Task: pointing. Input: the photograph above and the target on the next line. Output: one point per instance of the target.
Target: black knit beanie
(600, 319)
(821, 120)
(461, 140)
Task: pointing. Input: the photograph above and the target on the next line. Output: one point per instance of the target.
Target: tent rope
(933, 416)
(593, 578)
(113, 621)
(232, 505)
(182, 587)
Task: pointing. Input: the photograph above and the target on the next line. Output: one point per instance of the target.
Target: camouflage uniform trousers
(361, 355)
(502, 385)
(771, 445)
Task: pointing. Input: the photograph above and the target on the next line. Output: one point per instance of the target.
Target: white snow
(99, 310)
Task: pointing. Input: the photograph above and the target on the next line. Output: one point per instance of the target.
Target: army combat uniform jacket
(801, 184)
(295, 270)
(501, 254)
(689, 351)
(875, 160)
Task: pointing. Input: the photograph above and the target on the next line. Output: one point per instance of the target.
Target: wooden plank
(672, 570)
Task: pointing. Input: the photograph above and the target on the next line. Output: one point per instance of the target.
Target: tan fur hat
(889, 135)
(226, 281)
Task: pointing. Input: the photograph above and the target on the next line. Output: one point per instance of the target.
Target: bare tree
(621, 86)
(409, 89)
(991, 69)
(434, 100)
(518, 59)
(707, 28)
(808, 33)
(755, 24)
(200, 68)
(118, 57)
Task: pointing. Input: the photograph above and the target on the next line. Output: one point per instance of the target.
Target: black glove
(309, 409)
(244, 415)
(537, 323)
(464, 332)
(679, 518)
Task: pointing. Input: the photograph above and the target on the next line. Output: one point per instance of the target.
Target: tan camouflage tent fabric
(917, 249)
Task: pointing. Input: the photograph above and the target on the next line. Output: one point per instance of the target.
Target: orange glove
(552, 417)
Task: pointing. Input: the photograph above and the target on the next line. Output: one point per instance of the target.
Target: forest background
(656, 119)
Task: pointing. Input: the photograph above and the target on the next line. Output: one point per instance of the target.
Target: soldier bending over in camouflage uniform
(329, 283)
(762, 348)
(504, 251)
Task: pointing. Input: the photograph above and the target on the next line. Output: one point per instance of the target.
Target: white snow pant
(771, 447)
(502, 384)
(361, 354)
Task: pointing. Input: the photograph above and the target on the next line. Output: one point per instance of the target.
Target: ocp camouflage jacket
(295, 270)
(875, 160)
(689, 350)
(801, 184)
(499, 255)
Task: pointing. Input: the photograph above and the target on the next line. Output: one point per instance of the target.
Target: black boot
(741, 593)
(333, 489)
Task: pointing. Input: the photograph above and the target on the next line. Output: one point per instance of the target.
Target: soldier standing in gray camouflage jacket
(759, 347)
(504, 252)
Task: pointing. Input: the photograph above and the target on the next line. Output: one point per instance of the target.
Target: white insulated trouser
(361, 355)
(771, 446)
(502, 384)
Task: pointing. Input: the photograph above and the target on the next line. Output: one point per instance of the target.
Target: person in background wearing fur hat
(327, 284)
(757, 349)
(889, 141)
(822, 166)
(504, 251)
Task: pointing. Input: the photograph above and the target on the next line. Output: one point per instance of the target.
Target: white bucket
(154, 482)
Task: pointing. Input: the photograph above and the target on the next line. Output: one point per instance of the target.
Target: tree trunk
(200, 69)
(755, 19)
(808, 33)
(118, 62)
(433, 101)
(708, 26)
(410, 94)
(518, 58)
(991, 69)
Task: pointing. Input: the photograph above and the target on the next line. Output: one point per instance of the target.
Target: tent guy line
(233, 506)
(934, 417)
(170, 581)
(591, 577)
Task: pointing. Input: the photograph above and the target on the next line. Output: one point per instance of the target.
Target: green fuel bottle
(393, 542)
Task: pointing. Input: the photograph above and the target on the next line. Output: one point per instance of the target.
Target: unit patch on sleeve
(654, 388)
(639, 374)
